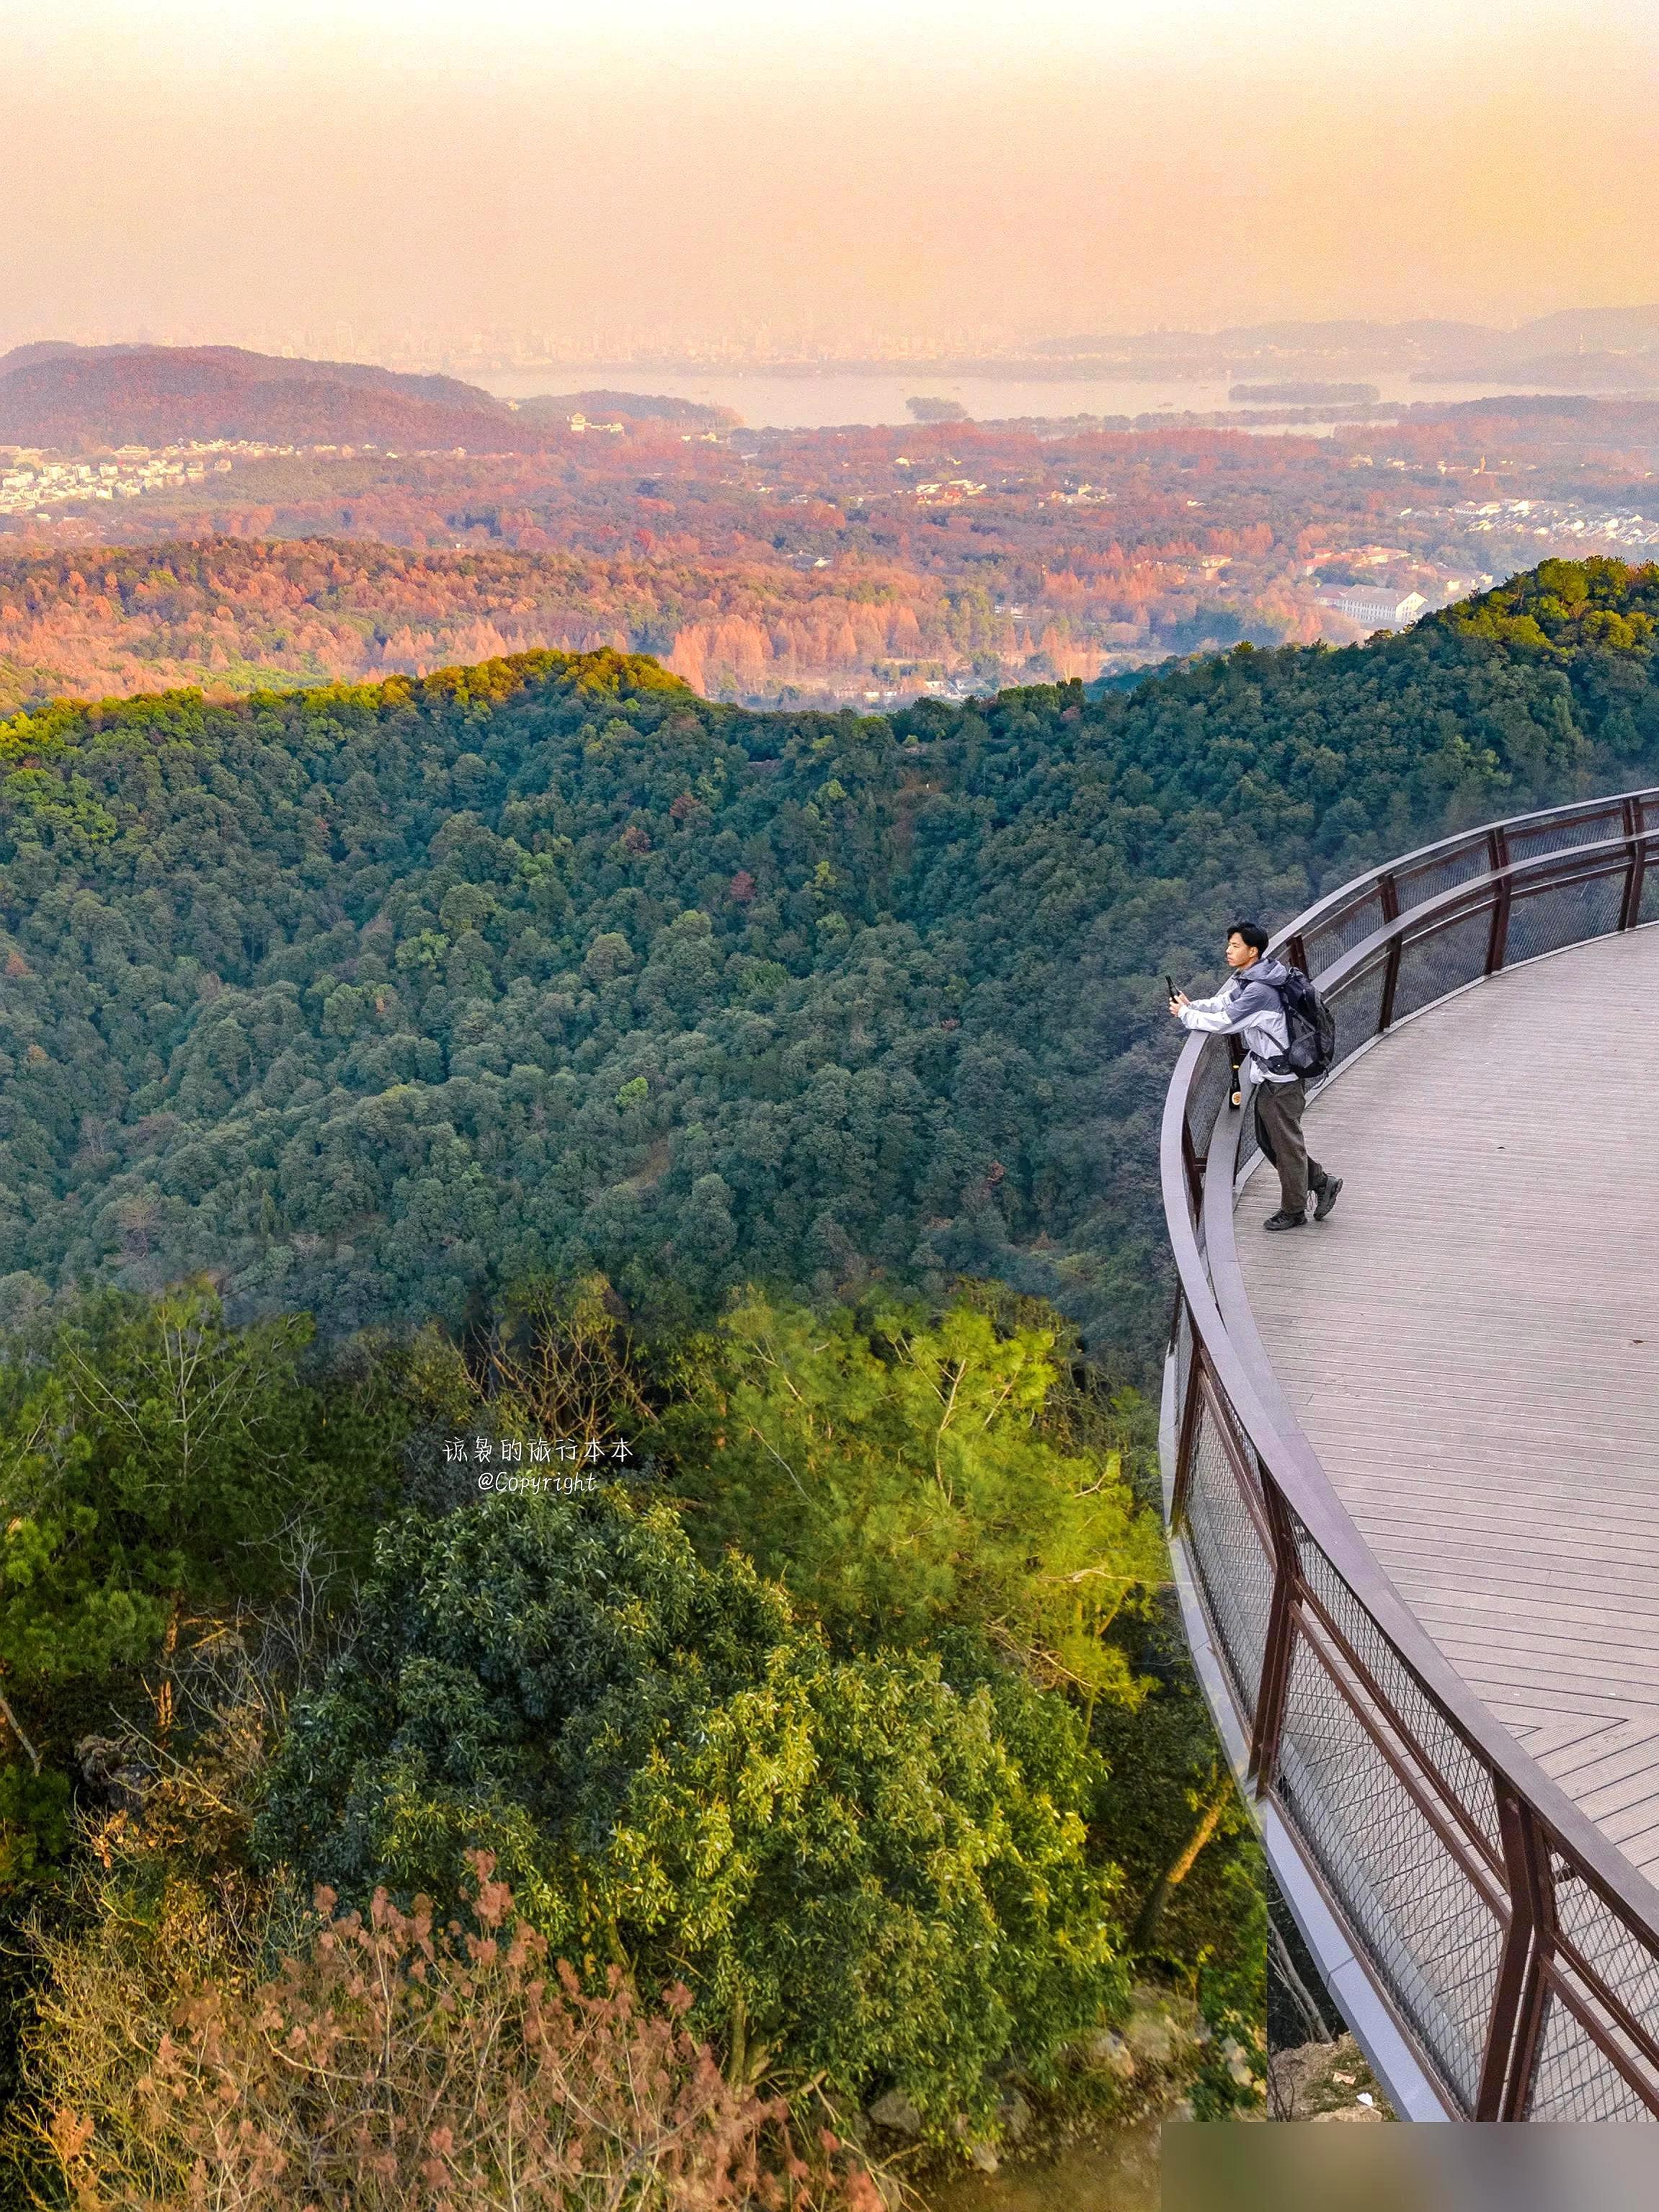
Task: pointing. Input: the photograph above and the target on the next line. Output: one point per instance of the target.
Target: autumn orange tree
(399, 2059)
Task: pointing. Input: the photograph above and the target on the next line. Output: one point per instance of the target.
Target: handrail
(1516, 1948)
(1493, 843)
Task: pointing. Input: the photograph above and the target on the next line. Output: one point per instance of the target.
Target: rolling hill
(67, 396)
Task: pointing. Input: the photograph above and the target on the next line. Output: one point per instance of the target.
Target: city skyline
(739, 347)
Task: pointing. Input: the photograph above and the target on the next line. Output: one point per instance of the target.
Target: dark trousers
(1278, 1131)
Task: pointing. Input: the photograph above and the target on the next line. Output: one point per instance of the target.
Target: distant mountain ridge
(58, 395)
(53, 394)
(237, 364)
(631, 406)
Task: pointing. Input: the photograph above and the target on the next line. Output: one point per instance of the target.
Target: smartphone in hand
(1169, 979)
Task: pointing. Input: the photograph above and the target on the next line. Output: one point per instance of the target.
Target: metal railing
(1515, 1949)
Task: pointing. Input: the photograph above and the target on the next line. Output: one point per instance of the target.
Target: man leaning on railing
(1253, 1006)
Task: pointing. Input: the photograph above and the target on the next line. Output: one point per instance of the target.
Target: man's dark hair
(1253, 934)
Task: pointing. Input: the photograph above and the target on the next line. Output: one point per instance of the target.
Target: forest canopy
(370, 999)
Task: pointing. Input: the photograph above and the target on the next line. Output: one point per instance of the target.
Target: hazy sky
(695, 168)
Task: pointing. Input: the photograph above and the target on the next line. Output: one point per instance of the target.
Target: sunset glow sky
(713, 168)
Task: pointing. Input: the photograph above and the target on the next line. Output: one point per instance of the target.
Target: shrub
(395, 2062)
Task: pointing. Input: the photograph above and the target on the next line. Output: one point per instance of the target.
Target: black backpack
(1311, 1028)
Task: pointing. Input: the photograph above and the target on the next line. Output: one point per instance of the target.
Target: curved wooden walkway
(1471, 1343)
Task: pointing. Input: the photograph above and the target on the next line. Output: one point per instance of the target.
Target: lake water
(811, 400)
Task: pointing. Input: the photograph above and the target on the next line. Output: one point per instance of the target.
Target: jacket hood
(1268, 970)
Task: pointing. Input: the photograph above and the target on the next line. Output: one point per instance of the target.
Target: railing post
(1391, 891)
(1390, 982)
(1273, 1691)
(1194, 1165)
(1498, 942)
(1637, 868)
(1517, 2012)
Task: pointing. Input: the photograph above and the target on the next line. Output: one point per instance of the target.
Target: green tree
(865, 1869)
(899, 1478)
(151, 1458)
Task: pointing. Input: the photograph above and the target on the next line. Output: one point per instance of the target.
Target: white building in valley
(1374, 606)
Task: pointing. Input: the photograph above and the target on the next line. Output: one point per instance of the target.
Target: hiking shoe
(1283, 1220)
(1329, 1191)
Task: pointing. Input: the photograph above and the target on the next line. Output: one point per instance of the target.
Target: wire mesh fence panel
(1428, 1932)
(1648, 807)
(1620, 1955)
(1561, 915)
(1234, 1572)
(1249, 1144)
(1648, 910)
(1207, 1093)
(1460, 1774)
(1555, 834)
(1574, 2079)
(1431, 877)
(1357, 1005)
(1443, 960)
(1338, 933)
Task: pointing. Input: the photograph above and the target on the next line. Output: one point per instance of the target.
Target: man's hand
(1179, 1001)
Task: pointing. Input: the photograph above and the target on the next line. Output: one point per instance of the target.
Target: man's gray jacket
(1249, 1006)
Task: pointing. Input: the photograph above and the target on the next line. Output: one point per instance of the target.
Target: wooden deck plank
(1471, 1343)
